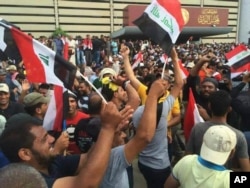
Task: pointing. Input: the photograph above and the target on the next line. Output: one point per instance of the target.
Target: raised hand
(126, 114)
(118, 80)
(158, 88)
(124, 51)
(110, 116)
(61, 143)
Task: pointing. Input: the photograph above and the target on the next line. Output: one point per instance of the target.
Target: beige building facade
(96, 17)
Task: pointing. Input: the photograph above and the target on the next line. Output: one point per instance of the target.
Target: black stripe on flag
(152, 30)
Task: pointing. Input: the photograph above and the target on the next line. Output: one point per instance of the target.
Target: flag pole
(164, 66)
(96, 90)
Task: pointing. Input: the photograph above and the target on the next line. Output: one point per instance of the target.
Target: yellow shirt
(175, 109)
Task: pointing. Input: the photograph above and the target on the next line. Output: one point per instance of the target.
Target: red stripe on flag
(34, 68)
(184, 71)
(189, 119)
(235, 51)
(58, 92)
(174, 8)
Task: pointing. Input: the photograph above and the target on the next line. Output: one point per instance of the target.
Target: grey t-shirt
(155, 155)
(196, 138)
(116, 173)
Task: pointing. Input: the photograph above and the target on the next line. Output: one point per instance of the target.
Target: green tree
(59, 31)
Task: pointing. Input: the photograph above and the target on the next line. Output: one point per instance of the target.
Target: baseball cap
(34, 98)
(11, 67)
(218, 142)
(4, 87)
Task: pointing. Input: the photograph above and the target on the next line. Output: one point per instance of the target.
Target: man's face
(122, 95)
(72, 106)
(4, 98)
(43, 91)
(83, 89)
(43, 109)
(207, 88)
(42, 146)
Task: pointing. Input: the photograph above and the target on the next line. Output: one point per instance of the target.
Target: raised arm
(175, 91)
(128, 69)
(147, 125)
(94, 166)
(133, 97)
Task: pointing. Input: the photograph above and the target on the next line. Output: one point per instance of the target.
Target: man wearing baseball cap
(36, 105)
(206, 170)
(7, 107)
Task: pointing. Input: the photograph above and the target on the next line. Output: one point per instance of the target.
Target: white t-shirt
(190, 172)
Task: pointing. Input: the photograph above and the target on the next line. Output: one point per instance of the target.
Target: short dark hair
(220, 101)
(44, 86)
(31, 110)
(16, 135)
(95, 104)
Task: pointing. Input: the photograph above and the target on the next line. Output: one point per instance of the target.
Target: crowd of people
(140, 115)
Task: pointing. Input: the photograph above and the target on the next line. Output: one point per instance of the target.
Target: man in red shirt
(73, 117)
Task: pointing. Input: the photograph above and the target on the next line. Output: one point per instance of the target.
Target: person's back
(219, 102)
(198, 175)
(206, 170)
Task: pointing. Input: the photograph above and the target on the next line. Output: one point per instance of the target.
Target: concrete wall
(89, 17)
(244, 23)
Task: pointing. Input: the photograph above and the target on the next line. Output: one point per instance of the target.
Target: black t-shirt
(82, 139)
(13, 108)
(62, 166)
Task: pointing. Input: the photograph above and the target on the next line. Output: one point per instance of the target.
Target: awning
(133, 32)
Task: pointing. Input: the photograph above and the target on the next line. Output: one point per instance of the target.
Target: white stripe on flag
(197, 117)
(238, 57)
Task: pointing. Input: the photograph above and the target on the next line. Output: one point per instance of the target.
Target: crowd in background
(123, 71)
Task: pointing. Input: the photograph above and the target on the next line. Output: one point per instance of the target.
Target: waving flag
(42, 66)
(238, 60)
(184, 72)
(41, 63)
(138, 59)
(192, 115)
(162, 21)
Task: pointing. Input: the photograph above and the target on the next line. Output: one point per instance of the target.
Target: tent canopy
(133, 32)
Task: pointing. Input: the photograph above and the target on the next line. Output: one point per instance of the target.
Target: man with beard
(36, 105)
(201, 93)
(24, 140)
(84, 90)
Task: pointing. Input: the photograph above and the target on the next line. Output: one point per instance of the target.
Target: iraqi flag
(192, 115)
(184, 72)
(53, 119)
(43, 66)
(138, 59)
(162, 21)
(239, 60)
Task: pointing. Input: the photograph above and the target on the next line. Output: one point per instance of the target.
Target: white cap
(4, 88)
(107, 71)
(218, 142)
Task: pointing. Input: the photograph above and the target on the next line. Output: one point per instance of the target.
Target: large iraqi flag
(162, 21)
(239, 60)
(42, 65)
